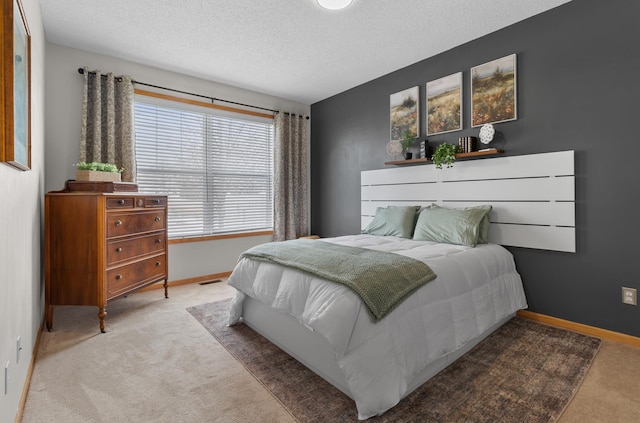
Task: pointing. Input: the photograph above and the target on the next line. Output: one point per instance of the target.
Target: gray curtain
(291, 187)
(107, 122)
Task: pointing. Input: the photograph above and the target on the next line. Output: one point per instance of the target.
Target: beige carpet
(156, 363)
(610, 393)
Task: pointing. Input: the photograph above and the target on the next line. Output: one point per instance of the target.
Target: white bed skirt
(315, 353)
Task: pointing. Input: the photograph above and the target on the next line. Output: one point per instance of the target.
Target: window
(216, 166)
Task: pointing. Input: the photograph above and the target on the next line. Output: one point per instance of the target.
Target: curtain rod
(212, 99)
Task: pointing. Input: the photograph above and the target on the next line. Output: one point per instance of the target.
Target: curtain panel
(107, 134)
(291, 185)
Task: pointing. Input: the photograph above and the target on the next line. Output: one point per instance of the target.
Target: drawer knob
(158, 241)
(157, 218)
(118, 276)
(157, 263)
(156, 201)
(119, 250)
(118, 222)
(120, 201)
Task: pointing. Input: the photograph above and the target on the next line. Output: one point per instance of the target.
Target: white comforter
(475, 288)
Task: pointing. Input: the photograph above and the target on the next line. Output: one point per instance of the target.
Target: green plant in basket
(445, 154)
(99, 167)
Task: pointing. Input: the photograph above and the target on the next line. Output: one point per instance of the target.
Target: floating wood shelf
(487, 152)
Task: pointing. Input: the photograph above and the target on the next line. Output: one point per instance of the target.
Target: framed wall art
(15, 107)
(404, 113)
(493, 91)
(444, 104)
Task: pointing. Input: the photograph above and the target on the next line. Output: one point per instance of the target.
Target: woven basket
(96, 176)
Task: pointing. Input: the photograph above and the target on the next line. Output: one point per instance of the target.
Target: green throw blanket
(383, 280)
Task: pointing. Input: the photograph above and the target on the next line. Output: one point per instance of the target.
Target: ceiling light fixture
(334, 4)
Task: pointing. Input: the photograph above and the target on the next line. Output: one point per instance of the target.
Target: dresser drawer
(125, 202)
(120, 203)
(150, 202)
(121, 224)
(131, 248)
(125, 278)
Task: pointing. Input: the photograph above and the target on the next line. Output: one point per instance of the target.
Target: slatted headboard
(533, 196)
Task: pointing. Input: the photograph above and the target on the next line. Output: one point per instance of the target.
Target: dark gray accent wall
(578, 89)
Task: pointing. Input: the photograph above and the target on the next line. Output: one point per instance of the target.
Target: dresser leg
(166, 289)
(48, 317)
(101, 315)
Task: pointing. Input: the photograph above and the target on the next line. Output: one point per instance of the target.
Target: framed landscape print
(444, 104)
(493, 91)
(404, 113)
(15, 144)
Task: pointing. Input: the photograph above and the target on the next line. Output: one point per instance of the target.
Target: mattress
(475, 288)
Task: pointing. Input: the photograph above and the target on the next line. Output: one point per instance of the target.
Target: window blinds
(215, 166)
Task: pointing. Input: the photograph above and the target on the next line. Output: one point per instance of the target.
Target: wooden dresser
(99, 246)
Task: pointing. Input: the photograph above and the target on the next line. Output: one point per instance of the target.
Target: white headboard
(533, 196)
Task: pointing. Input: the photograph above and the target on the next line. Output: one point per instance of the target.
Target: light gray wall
(21, 233)
(578, 90)
(56, 99)
(63, 111)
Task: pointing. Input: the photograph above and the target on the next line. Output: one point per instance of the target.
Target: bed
(377, 364)
(331, 330)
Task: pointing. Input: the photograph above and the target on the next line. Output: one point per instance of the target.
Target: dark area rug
(523, 372)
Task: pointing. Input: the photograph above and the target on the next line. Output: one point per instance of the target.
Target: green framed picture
(15, 146)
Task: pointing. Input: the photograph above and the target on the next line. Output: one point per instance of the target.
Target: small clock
(394, 148)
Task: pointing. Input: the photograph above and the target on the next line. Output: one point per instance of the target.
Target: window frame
(197, 103)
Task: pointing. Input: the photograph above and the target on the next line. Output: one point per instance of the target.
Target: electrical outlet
(629, 296)
(6, 377)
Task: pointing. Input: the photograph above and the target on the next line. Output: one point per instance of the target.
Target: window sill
(218, 237)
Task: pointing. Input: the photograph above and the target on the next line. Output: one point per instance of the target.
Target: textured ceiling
(292, 49)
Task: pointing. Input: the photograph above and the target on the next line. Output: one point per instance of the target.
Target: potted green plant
(407, 142)
(97, 172)
(444, 154)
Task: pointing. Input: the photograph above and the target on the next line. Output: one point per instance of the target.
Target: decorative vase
(97, 176)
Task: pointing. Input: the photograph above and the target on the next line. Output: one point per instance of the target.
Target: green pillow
(452, 226)
(483, 232)
(393, 221)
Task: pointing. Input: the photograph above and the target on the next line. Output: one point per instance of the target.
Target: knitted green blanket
(383, 280)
